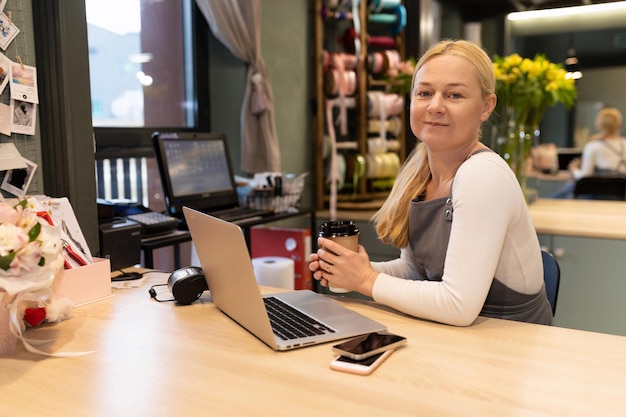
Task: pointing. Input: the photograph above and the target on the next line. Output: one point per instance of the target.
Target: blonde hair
(392, 219)
(609, 120)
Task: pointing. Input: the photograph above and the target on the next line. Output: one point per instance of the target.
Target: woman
(606, 151)
(468, 245)
(604, 154)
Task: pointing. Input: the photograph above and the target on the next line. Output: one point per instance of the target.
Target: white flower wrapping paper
(31, 256)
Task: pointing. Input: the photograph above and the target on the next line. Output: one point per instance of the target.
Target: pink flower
(28, 244)
(27, 258)
(10, 214)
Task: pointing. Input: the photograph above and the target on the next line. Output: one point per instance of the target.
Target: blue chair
(551, 277)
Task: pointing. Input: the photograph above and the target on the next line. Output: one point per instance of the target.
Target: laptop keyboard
(289, 323)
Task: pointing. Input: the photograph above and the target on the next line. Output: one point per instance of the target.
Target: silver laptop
(227, 266)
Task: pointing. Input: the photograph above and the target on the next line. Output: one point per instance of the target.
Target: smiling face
(447, 103)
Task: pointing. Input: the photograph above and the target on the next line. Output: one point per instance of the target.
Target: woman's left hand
(343, 267)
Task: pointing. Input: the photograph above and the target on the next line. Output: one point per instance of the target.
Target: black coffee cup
(344, 232)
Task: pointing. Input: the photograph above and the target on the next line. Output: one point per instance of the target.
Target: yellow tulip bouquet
(526, 88)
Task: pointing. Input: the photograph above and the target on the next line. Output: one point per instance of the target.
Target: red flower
(34, 316)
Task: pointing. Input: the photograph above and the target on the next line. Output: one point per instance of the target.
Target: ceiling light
(567, 11)
(572, 66)
(563, 19)
(575, 75)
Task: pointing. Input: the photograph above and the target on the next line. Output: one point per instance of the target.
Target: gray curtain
(237, 24)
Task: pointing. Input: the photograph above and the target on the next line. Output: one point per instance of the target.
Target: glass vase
(518, 141)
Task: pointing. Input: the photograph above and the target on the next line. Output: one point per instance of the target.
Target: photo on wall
(17, 181)
(8, 31)
(23, 116)
(24, 82)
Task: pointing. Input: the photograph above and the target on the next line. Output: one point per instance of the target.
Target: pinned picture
(17, 181)
(2, 4)
(8, 31)
(5, 71)
(23, 115)
(24, 82)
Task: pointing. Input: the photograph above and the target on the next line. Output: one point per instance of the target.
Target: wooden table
(159, 359)
(581, 218)
(588, 238)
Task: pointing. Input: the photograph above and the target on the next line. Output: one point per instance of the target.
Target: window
(144, 57)
(137, 63)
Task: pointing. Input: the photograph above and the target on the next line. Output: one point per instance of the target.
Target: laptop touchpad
(323, 309)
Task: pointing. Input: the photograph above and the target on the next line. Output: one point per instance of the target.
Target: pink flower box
(86, 283)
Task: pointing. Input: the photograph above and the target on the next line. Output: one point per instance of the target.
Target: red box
(288, 242)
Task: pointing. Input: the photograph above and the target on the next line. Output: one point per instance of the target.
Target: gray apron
(430, 223)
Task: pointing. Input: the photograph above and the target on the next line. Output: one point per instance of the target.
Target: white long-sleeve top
(492, 235)
(605, 155)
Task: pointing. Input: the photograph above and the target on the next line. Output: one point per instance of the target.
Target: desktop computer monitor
(196, 171)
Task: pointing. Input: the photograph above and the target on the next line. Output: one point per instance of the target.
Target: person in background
(456, 210)
(604, 154)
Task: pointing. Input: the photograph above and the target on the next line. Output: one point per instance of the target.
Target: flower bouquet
(526, 88)
(31, 256)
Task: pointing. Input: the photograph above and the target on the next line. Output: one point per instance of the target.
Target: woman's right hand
(574, 165)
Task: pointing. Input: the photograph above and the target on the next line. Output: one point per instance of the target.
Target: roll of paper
(274, 271)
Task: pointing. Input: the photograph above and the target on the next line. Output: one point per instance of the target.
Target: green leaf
(5, 261)
(34, 232)
(22, 203)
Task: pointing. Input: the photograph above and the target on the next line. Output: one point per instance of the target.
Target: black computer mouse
(187, 284)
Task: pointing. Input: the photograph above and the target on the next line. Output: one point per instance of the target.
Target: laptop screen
(195, 170)
(566, 155)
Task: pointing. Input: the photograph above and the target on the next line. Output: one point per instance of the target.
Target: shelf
(365, 72)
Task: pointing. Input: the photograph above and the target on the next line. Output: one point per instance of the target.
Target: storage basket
(266, 198)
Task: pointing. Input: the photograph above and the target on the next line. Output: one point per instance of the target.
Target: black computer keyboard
(289, 323)
(154, 223)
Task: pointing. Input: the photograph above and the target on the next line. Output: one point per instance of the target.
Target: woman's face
(447, 107)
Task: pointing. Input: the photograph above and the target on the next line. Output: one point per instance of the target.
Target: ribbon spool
(347, 40)
(344, 61)
(382, 42)
(377, 145)
(393, 125)
(393, 57)
(384, 165)
(384, 105)
(377, 63)
(393, 145)
(355, 170)
(344, 80)
(397, 19)
(380, 5)
(342, 76)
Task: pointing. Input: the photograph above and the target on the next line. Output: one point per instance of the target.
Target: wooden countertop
(160, 359)
(581, 218)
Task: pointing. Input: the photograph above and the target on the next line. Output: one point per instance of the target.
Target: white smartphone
(361, 367)
(367, 345)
